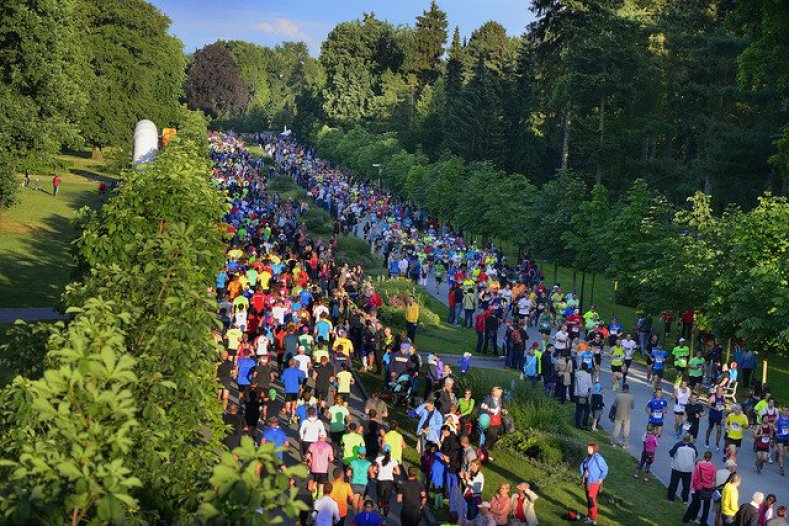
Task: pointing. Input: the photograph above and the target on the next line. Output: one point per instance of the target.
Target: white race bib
(657, 414)
(686, 426)
(765, 440)
(735, 426)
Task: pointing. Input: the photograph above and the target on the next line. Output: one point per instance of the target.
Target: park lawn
(559, 491)
(36, 234)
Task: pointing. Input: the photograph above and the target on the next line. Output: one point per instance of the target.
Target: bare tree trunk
(598, 177)
(707, 185)
(668, 148)
(566, 140)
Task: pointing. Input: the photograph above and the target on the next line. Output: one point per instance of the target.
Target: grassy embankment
(36, 234)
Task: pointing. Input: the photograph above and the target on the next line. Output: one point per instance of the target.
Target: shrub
(354, 251)
(317, 220)
(394, 293)
(534, 444)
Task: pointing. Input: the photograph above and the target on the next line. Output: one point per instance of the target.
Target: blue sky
(266, 22)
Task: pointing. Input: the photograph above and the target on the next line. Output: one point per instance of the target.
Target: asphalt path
(769, 481)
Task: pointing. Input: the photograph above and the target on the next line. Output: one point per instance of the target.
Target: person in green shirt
(617, 361)
(466, 408)
(681, 354)
(591, 318)
(696, 370)
(351, 442)
(306, 340)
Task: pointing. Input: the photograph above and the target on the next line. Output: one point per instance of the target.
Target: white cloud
(283, 27)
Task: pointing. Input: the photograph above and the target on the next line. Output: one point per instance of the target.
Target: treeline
(81, 72)
(732, 268)
(686, 95)
(113, 418)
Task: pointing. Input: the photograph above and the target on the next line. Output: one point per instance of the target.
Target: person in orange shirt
(234, 287)
(341, 493)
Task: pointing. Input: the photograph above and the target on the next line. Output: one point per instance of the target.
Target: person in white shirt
(325, 509)
(560, 339)
(303, 362)
(629, 346)
(311, 428)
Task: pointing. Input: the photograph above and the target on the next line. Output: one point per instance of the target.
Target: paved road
(29, 314)
(769, 481)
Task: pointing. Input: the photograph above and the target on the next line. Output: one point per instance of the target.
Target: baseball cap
(387, 448)
(362, 450)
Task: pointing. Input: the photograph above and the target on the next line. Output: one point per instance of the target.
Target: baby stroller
(402, 389)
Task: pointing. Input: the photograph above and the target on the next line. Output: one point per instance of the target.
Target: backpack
(509, 423)
(516, 338)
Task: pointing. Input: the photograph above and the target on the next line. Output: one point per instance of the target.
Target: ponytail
(387, 458)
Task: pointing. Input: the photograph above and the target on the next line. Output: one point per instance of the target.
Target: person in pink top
(320, 455)
(650, 442)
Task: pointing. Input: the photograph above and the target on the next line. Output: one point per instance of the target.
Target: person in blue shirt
(273, 434)
(465, 363)
(614, 331)
(659, 357)
(656, 410)
(245, 366)
(586, 357)
(594, 471)
(291, 380)
(530, 366)
(394, 268)
(221, 281)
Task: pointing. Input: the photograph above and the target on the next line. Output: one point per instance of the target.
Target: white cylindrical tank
(146, 142)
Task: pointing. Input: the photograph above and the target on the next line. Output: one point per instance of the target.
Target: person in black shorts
(323, 374)
(694, 410)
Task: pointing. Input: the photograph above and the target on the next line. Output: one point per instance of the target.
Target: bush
(534, 444)
(354, 251)
(317, 220)
(394, 293)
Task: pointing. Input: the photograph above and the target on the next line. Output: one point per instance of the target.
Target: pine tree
(431, 34)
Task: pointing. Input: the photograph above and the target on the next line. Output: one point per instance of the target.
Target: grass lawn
(623, 501)
(36, 234)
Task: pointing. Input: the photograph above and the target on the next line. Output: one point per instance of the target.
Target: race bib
(658, 359)
(719, 407)
(686, 426)
(784, 430)
(682, 362)
(735, 426)
(765, 440)
(657, 415)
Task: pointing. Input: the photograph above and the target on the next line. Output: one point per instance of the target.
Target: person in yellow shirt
(411, 317)
(736, 423)
(344, 342)
(730, 500)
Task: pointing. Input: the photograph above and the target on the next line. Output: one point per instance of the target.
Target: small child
(650, 441)
(597, 405)
(465, 363)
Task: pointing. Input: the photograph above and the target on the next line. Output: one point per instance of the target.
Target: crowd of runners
(295, 321)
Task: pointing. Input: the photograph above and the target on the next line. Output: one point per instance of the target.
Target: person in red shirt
(375, 302)
(702, 482)
(687, 324)
(451, 302)
(55, 184)
(479, 326)
(258, 301)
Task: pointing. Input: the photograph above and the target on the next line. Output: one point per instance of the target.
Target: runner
(656, 409)
(716, 404)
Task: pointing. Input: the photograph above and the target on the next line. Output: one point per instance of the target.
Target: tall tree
(214, 84)
(456, 110)
(431, 35)
(41, 66)
(136, 69)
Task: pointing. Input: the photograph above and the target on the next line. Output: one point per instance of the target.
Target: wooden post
(574, 273)
(728, 351)
(613, 300)
(764, 371)
(581, 300)
(594, 275)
